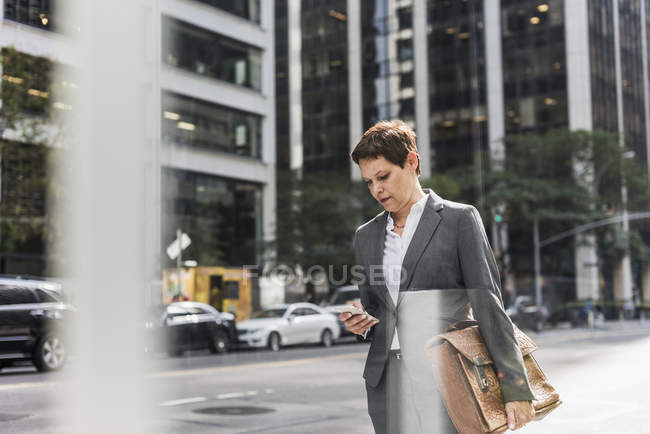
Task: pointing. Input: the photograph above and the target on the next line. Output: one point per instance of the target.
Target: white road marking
(237, 394)
(182, 401)
(207, 371)
(231, 395)
(27, 385)
(203, 399)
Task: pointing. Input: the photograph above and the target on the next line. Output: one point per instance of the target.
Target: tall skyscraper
(467, 73)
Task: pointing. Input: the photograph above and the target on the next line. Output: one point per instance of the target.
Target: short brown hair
(392, 140)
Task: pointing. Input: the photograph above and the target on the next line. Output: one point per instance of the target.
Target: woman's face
(392, 186)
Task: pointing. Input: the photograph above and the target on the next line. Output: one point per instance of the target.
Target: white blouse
(394, 250)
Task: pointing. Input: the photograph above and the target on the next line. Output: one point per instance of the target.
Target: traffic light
(498, 218)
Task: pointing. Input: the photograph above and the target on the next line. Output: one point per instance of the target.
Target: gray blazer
(449, 252)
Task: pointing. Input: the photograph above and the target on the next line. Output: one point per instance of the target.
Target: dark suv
(32, 313)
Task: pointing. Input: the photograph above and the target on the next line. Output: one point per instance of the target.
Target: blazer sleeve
(481, 278)
(368, 303)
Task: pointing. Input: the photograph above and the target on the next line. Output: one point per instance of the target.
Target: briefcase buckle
(479, 371)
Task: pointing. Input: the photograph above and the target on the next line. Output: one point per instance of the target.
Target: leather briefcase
(468, 383)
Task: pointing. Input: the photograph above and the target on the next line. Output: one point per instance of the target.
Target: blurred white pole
(103, 214)
(623, 285)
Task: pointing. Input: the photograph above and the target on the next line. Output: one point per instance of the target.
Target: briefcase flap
(469, 343)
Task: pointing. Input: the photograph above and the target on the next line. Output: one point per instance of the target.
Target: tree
(317, 215)
(29, 125)
(563, 179)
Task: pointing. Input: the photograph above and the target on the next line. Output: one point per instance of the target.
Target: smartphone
(354, 311)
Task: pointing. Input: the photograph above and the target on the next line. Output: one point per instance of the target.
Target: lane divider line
(183, 401)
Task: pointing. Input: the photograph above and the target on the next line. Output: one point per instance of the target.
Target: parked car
(573, 314)
(289, 324)
(190, 325)
(32, 316)
(343, 296)
(525, 313)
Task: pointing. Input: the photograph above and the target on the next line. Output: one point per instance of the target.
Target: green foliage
(567, 178)
(27, 95)
(317, 215)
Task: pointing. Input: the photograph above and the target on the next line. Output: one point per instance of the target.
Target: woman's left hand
(519, 413)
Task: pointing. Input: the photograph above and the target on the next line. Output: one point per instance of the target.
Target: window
(269, 313)
(222, 216)
(36, 13)
(173, 311)
(46, 296)
(17, 295)
(248, 9)
(203, 52)
(189, 121)
(232, 290)
(195, 310)
(308, 311)
(405, 17)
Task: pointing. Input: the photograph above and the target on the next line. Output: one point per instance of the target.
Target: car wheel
(220, 342)
(326, 338)
(274, 342)
(49, 354)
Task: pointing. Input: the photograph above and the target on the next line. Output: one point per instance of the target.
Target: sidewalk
(612, 328)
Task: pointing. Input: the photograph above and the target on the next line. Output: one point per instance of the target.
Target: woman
(422, 242)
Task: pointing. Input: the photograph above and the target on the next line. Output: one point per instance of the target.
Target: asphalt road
(601, 375)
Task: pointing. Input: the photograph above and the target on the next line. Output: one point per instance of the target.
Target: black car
(32, 315)
(190, 325)
(525, 313)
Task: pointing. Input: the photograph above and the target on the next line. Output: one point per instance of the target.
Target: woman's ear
(413, 160)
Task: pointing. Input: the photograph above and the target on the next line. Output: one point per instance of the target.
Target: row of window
(42, 13)
(189, 121)
(200, 51)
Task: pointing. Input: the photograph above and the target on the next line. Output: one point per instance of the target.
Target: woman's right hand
(357, 324)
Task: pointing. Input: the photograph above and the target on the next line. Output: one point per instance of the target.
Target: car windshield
(345, 297)
(269, 313)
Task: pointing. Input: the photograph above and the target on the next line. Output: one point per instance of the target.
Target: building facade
(210, 117)
(465, 74)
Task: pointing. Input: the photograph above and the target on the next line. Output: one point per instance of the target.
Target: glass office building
(518, 67)
(324, 85)
(387, 62)
(223, 216)
(457, 88)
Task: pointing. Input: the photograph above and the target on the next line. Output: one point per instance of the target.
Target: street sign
(173, 250)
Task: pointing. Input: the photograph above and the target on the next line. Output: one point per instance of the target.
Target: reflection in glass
(190, 121)
(222, 217)
(203, 52)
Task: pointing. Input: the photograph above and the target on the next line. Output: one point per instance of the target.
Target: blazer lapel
(376, 259)
(428, 224)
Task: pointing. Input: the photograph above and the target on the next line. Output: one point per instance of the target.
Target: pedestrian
(437, 246)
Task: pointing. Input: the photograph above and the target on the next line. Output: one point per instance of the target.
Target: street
(600, 375)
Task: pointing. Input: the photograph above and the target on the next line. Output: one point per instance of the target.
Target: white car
(288, 324)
